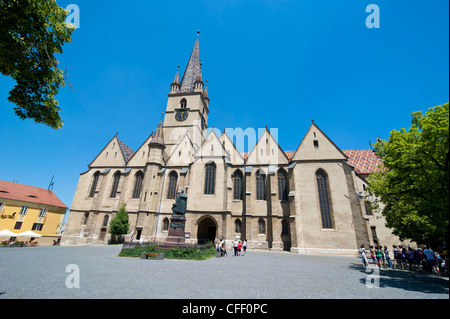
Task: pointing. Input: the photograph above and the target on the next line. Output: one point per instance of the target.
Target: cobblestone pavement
(40, 272)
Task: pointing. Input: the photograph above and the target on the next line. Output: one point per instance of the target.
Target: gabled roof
(364, 161)
(126, 150)
(31, 194)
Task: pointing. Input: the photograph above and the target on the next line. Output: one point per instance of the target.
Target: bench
(159, 256)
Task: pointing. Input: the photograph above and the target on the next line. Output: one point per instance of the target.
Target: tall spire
(158, 137)
(192, 69)
(175, 86)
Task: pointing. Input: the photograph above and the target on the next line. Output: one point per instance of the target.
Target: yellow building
(28, 208)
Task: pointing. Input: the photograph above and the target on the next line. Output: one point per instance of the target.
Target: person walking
(362, 251)
(235, 247)
(431, 259)
(372, 254)
(395, 252)
(378, 255)
(387, 257)
(239, 248)
(244, 246)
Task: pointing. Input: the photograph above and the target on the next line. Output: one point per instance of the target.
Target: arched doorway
(206, 231)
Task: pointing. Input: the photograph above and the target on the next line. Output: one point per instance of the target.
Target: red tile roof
(31, 194)
(364, 161)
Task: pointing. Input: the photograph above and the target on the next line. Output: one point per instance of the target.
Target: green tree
(413, 181)
(119, 225)
(31, 33)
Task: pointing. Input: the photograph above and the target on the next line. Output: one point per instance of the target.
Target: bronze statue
(179, 207)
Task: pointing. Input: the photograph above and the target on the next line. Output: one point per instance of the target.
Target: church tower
(188, 104)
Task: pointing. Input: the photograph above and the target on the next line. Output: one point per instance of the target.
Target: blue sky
(274, 63)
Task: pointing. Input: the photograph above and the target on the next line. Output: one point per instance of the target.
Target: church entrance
(206, 231)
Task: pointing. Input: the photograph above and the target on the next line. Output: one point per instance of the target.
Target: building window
(172, 192)
(324, 199)
(237, 181)
(18, 225)
(105, 221)
(210, 177)
(261, 226)
(367, 207)
(138, 184)
(43, 212)
(183, 103)
(86, 217)
(37, 226)
(282, 185)
(115, 184)
(316, 143)
(23, 211)
(94, 183)
(260, 186)
(166, 224)
(237, 226)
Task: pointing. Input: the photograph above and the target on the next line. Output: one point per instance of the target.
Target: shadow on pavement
(404, 279)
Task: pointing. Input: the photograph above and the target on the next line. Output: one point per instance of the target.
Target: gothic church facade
(310, 200)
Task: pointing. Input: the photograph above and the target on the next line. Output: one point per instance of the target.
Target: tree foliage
(119, 225)
(31, 33)
(414, 180)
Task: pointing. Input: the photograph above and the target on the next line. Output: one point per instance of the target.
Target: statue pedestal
(176, 230)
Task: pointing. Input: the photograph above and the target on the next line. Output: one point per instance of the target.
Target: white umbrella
(7, 233)
(28, 233)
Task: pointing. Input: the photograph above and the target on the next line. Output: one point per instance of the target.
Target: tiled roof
(364, 161)
(158, 137)
(126, 150)
(31, 194)
(192, 70)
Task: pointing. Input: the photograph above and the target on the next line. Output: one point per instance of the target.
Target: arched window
(260, 186)
(261, 226)
(237, 181)
(183, 103)
(166, 224)
(172, 191)
(324, 199)
(282, 184)
(105, 220)
(94, 183)
(138, 184)
(115, 184)
(210, 177)
(237, 226)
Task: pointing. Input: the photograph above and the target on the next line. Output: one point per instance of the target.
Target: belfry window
(324, 199)
(210, 178)
(183, 103)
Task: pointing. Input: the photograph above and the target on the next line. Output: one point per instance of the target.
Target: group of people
(238, 247)
(406, 258)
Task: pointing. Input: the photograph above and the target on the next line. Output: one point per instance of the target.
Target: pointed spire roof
(158, 136)
(205, 91)
(192, 69)
(176, 80)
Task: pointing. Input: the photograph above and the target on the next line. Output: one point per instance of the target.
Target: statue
(179, 207)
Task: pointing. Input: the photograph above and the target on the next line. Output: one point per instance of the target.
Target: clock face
(180, 116)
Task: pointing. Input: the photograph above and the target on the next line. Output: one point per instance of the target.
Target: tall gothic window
(105, 220)
(324, 199)
(172, 192)
(282, 185)
(166, 224)
(115, 184)
(260, 186)
(238, 226)
(210, 177)
(94, 183)
(237, 181)
(138, 184)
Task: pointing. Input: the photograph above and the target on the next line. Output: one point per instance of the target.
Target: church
(309, 200)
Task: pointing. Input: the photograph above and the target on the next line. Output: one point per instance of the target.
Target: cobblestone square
(42, 272)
